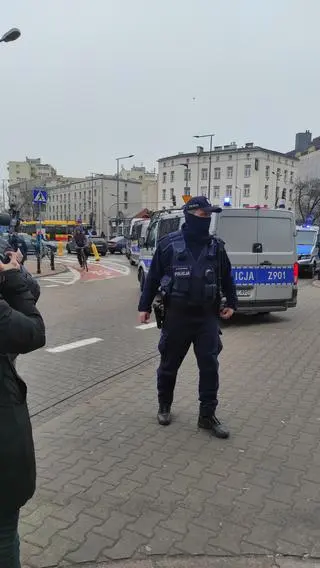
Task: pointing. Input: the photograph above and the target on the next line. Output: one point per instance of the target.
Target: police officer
(192, 269)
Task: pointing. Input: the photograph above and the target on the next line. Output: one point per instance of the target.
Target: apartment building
(248, 175)
(30, 168)
(149, 185)
(94, 201)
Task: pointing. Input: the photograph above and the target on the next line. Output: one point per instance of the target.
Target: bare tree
(307, 198)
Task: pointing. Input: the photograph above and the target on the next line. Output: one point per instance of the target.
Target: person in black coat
(21, 331)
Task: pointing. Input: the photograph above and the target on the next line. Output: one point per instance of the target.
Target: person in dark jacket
(21, 331)
(191, 268)
(18, 243)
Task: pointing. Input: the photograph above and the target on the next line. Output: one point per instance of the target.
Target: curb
(269, 561)
(53, 272)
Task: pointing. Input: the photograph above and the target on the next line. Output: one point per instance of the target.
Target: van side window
(276, 234)
(151, 238)
(239, 233)
(168, 226)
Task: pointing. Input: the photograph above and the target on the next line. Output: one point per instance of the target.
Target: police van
(138, 231)
(262, 249)
(308, 249)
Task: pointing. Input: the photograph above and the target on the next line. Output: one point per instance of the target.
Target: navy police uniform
(192, 270)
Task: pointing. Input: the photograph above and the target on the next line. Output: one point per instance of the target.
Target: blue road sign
(40, 196)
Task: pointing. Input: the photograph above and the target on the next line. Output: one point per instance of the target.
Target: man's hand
(226, 313)
(144, 317)
(12, 265)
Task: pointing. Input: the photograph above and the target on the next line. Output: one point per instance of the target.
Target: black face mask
(197, 227)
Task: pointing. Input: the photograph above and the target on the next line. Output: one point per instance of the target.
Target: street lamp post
(118, 188)
(93, 220)
(10, 35)
(210, 158)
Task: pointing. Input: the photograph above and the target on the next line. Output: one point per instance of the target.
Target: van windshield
(306, 237)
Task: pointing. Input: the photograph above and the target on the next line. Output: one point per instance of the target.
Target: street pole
(118, 198)
(92, 212)
(210, 161)
(118, 190)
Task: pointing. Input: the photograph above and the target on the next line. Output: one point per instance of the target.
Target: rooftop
(227, 149)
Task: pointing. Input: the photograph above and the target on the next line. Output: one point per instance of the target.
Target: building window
(172, 162)
(217, 158)
(248, 156)
(247, 171)
(279, 159)
(164, 196)
(230, 172)
(284, 193)
(126, 205)
(204, 191)
(278, 173)
(216, 191)
(285, 177)
(229, 191)
(171, 193)
(172, 177)
(266, 192)
(267, 172)
(230, 157)
(164, 164)
(84, 195)
(95, 193)
(204, 174)
(268, 157)
(246, 190)
(187, 175)
(164, 177)
(217, 173)
(125, 196)
(79, 194)
(286, 162)
(291, 177)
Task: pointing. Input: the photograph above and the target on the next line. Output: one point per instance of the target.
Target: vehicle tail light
(295, 272)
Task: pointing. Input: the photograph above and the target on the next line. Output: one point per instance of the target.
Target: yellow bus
(54, 230)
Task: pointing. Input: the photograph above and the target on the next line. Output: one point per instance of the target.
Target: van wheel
(141, 279)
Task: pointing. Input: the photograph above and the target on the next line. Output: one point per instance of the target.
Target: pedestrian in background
(21, 331)
(192, 270)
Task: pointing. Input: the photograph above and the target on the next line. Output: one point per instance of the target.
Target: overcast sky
(91, 80)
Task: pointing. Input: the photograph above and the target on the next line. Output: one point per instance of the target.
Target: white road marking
(74, 345)
(145, 326)
(52, 286)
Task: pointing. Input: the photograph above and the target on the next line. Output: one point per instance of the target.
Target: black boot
(212, 423)
(164, 414)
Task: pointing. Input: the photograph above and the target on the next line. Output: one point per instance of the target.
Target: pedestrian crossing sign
(40, 195)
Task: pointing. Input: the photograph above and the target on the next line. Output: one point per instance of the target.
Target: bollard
(60, 248)
(38, 264)
(95, 251)
(52, 259)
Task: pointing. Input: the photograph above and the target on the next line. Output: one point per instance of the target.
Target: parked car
(118, 244)
(98, 241)
(31, 243)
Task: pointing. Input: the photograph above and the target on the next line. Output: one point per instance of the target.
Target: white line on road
(52, 286)
(145, 326)
(74, 345)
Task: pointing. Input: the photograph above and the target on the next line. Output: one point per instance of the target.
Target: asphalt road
(107, 311)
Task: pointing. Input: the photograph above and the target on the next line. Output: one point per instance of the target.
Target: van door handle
(266, 263)
(257, 247)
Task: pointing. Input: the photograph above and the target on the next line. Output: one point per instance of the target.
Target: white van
(138, 232)
(261, 246)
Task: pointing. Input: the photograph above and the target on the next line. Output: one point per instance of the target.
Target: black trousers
(180, 330)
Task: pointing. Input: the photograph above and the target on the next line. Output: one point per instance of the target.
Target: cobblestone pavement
(113, 485)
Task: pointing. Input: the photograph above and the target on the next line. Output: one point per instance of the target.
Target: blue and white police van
(138, 231)
(261, 246)
(308, 249)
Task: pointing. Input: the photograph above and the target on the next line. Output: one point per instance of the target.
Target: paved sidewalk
(113, 485)
(31, 265)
